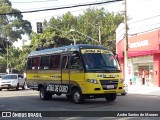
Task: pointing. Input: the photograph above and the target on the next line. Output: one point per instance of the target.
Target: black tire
(69, 97)
(17, 88)
(0, 89)
(77, 96)
(43, 95)
(111, 97)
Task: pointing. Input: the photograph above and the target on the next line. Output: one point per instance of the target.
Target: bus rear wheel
(77, 96)
(111, 97)
(44, 95)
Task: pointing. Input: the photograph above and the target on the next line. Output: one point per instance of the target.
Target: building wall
(143, 48)
(140, 45)
(157, 69)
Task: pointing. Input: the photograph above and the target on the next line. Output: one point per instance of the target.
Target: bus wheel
(44, 95)
(111, 97)
(77, 96)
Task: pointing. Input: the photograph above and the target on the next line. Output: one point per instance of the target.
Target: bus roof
(68, 48)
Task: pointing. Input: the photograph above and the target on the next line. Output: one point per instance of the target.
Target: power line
(55, 15)
(144, 19)
(145, 31)
(130, 28)
(58, 14)
(148, 25)
(36, 1)
(51, 7)
(65, 7)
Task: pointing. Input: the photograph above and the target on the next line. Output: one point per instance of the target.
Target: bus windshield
(99, 61)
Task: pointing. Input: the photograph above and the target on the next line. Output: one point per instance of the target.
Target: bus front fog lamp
(94, 81)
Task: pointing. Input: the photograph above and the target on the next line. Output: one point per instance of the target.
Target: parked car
(12, 81)
(125, 89)
(1, 74)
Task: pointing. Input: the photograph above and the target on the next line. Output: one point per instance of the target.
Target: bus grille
(109, 84)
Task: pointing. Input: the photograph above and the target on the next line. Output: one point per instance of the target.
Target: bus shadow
(86, 101)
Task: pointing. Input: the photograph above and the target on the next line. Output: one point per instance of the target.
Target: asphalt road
(28, 100)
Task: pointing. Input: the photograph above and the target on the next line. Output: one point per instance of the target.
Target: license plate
(110, 86)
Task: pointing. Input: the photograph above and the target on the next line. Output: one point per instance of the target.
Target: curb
(144, 90)
(143, 94)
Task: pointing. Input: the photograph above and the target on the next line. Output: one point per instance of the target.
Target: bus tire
(77, 96)
(111, 97)
(43, 95)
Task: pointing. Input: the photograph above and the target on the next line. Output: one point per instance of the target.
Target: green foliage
(87, 26)
(2, 65)
(12, 26)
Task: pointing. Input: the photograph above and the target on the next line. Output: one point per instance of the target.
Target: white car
(12, 81)
(1, 74)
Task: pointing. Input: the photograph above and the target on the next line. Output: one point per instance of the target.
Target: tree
(87, 24)
(12, 26)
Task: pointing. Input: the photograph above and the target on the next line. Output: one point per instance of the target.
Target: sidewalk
(145, 90)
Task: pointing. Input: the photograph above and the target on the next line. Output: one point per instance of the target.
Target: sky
(143, 14)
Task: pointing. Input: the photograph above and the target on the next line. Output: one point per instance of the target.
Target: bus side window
(76, 63)
(44, 62)
(54, 61)
(29, 63)
(35, 63)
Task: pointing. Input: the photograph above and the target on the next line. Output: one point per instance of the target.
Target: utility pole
(7, 54)
(99, 29)
(125, 44)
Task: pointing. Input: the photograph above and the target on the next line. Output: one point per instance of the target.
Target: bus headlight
(121, 80)
(94, 81)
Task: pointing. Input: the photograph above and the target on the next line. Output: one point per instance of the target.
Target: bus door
(76, 69)
(65, 69)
